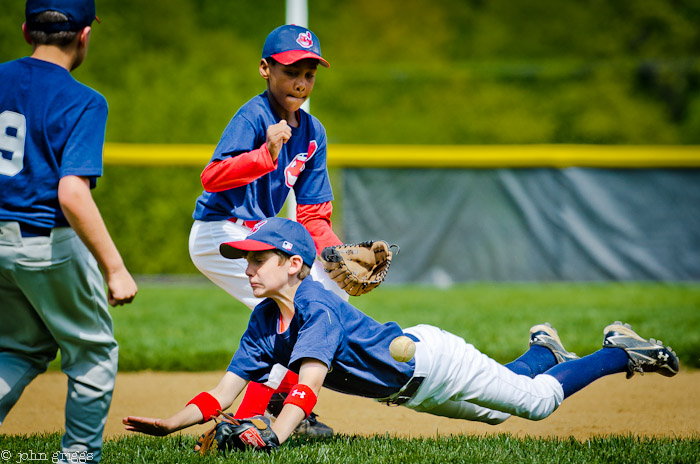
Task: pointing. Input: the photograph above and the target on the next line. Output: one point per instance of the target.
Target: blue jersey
(330, 330)
(51, 126)
(301, 165)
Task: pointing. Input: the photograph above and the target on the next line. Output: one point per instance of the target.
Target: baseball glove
(238, 434)
(358, 268)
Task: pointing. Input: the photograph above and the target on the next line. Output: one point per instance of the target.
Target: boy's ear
(84, 35)
(25, 31)
(264, 69)
(295, 264)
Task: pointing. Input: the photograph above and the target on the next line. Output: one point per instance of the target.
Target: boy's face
(290, 85)
(265, 273)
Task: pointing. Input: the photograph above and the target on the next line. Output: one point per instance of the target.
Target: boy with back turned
(53, 241)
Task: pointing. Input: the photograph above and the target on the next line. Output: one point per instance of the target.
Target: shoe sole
(626, 330)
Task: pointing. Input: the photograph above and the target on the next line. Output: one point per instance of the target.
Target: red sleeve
(237, 171)
(317, 220)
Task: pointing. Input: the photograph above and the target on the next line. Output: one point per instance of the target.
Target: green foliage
(148, 211)
(157, 329)
(417, 71)
(386, 449)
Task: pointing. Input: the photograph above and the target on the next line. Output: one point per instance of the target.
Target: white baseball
(402, 348)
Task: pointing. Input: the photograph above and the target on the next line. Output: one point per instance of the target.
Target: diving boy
(330, 343)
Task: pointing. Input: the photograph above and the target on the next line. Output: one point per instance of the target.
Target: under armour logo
(299, 393)
(663, 356)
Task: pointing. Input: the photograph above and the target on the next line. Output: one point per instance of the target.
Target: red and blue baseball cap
(274, 233)
(80, 13)
(290, 43)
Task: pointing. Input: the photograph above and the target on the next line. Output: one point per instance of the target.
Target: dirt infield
(646, 406)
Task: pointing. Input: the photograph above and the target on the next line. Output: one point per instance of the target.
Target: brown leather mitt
(358, 268)
(238, 434)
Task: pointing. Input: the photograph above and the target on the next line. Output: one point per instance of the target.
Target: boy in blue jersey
(53, 242)
(331, 343)
(270, 147)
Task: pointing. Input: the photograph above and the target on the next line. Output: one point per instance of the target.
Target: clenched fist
(277, 136)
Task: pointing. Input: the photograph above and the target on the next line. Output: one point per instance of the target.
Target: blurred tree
(415, 71)
(410, 71)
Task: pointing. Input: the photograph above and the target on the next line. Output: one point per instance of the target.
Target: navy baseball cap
(274, 233)
(290, 43)
(80, 14)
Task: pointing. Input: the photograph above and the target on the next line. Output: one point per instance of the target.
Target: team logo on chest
(294, 168)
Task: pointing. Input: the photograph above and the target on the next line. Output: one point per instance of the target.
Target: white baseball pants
(463, 383)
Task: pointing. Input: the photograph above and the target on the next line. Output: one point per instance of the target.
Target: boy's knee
(549, 394)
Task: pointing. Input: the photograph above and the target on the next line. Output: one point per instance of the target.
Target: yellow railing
(439, 156)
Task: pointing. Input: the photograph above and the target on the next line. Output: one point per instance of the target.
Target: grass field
(381, 450)
(174, 325)
(194, 327)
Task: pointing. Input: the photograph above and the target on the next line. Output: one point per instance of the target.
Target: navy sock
(534, 361)
(576, 374)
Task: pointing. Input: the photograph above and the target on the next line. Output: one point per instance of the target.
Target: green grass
(179, 325)
(496, 317)
(384, 449)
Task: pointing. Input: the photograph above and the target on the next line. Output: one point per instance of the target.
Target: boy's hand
(147, 425)
(277, 136)
(121, 287)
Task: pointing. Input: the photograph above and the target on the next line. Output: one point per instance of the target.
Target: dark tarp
(543, 224)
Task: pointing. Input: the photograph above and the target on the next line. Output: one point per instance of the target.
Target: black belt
(405, 394)
(28, 230)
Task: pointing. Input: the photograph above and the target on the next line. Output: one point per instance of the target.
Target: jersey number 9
(13, 128)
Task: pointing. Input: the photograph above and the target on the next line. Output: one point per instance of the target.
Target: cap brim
(236, 250)
(292, 56)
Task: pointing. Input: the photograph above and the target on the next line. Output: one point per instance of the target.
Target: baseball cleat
(547, 336)
(310, 426)
(644, 355)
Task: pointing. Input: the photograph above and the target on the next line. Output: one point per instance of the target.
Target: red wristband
(302, 396)
(207, 404)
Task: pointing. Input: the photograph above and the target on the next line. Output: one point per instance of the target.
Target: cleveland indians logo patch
(294, 168)
(305, 39)
(256, 227)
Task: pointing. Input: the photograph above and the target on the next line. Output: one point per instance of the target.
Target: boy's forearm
(317, 220)
(311, 376)
(85, 219)
(223, 394)
(287, 421)
(186, 417)
(237, 171)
